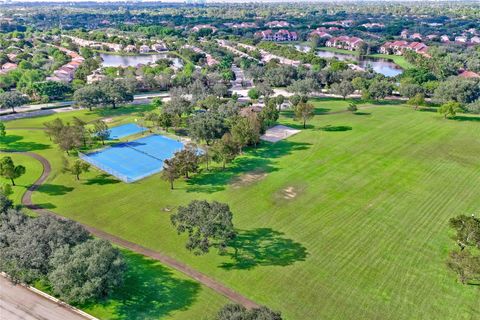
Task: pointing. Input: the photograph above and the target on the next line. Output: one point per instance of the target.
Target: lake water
(384, 66)
(115, 60)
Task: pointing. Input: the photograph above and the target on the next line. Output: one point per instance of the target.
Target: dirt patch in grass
(248, 178)
(290, 192)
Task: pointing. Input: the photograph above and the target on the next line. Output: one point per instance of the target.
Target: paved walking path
(169, 261)
(20, 303)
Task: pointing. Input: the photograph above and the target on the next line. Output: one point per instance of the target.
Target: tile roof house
(277, 24)
(475, 40)
(159, 47)
(320, 34)
(9, 66)
(398, 47)
(469, 74)
(144, 49)
(344, 42)
(343, 23)
(204, 26)
(280, 35)
(416, 36)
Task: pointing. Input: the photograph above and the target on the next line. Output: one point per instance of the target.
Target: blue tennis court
(125, 130)
(134, 160)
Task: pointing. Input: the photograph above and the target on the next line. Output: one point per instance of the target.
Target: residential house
(400, 46)
(320, 34)
(373, 25)
(6, 67)
(277, 24)
(96, 76)
(130, 48)
(475, 40)
(160, 46)
(243, 25)
(445, 38)
(404, 34)
(204, 26)
(416, 36)
(343, 23)
(461, 39)
(345, 42)
(144, 49)
(432, 37)
(469, 74)
(280, 35)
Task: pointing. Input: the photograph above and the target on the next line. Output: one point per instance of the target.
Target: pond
(384, 66)
(115, 60)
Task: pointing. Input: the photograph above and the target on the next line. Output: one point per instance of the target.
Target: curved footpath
(169, 261)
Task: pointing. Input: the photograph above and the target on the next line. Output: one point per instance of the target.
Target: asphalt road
(19, 303)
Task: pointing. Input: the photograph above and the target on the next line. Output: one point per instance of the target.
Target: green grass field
(346, 220)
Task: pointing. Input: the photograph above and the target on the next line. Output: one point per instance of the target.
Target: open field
(348, 217)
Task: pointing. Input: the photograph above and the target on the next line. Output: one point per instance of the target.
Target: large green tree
(9, 170)
(206, 224)
(225, 150)
(89, 96)
(12, 99)
(303, 112)
(87, 271)
(206, 126)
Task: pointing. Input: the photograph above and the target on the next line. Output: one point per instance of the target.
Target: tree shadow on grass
(101, 179)
(14, 143)
(263, 247)
(387, 102)
(335, 128)
(150, 291)
(466, 118)
(362, 113)
(259, 159)
(318, 111)
(47, 205)
(55, 189)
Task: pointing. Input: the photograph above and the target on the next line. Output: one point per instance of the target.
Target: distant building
(445, 38)
(277, 24)
(399, 47)
(95, 77)
(469, 74)
(345, 42)
(280, 35)
(161, 46)
(204, 26)
(9, 66)
(461, 39)
(243, 25)
(343, 23)
(404, 34)
(373, 25)
(475, 40)
(130, 48)
(320, 34)
(144, 49)
(416, 36)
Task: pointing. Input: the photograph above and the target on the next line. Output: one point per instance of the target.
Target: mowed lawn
(346, 220)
